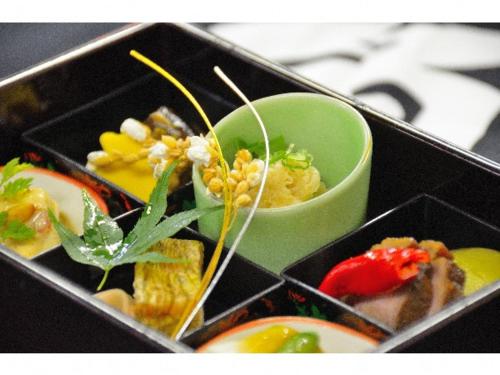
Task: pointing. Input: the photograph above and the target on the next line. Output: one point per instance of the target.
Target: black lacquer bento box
(52, 114)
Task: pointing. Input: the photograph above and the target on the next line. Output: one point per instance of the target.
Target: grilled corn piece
(162, 290)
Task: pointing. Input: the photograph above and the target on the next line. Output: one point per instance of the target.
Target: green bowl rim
(341, 186)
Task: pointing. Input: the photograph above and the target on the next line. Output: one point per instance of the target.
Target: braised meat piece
(439, 282)
(447, 283)
(402, 306)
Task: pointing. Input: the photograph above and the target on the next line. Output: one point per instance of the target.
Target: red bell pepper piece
(374, 272)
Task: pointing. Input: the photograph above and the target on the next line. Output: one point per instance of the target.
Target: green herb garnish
(14, 229)
(278, 150)
(258, 149)
(9, 189)
(103, 244)
(296, 160)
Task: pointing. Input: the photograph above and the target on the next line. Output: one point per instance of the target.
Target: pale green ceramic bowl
(340, 141)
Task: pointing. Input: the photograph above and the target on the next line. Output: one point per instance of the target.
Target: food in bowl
(26, 196)
(24, 222)
(291, 178)
(332, 193)
(289, 334)
(398, 281)
(281, 339)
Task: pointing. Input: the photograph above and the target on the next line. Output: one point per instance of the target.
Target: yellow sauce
(137, 177)
(481, 266)
(43, 240)
(268, 340)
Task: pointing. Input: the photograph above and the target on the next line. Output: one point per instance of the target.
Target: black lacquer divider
(404, 167)
(241, 281)
(475, 192)
(287, 300)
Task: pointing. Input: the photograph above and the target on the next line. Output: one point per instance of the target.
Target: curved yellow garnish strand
(228, 202)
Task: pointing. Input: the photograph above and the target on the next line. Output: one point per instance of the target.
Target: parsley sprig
(103, 244)
(9, 189)
(14, 229)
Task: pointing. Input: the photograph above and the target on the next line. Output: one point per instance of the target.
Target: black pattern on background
(490, 76)
(326, 56)
(489, 144)
(410, 105)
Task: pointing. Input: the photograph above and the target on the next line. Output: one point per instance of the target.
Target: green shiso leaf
(167, 228)
(154, 209)
(75, 247)
(99, 230)
(103, 245)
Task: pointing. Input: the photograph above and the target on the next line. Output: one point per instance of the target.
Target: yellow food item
(481, 266)
(118, 299)
(162, 290)
(268, 340)
(135, 177)
(285, 187)
(31, 208)
(133, 159)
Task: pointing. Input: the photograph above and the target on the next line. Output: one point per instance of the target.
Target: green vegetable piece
(297, 160)
(305, 342)
(103, 245)
(16, 230)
